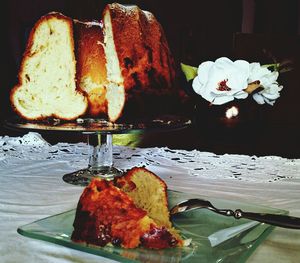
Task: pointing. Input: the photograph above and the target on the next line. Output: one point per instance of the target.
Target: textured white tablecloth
(31, 188)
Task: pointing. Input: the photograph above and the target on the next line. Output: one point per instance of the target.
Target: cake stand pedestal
(100, 161)
(100, 134)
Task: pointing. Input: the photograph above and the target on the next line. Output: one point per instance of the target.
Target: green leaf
(190, 72)
(130, 139)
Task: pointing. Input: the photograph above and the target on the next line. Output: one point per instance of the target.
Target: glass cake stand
(99, 136)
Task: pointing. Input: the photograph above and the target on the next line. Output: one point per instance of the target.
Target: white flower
(222, 81)
(268, 81)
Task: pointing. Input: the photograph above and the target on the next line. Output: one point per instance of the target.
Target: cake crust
(146, 64)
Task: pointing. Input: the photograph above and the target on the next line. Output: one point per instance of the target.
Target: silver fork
(271, 219)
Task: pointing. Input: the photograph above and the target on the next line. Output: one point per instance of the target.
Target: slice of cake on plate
(131, 212)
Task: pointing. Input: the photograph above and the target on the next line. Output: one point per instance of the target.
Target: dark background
(255, 30)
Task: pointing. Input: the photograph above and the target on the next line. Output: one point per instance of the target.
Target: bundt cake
(91, 65)
(123, 67)
(130, 212)
(47, 85)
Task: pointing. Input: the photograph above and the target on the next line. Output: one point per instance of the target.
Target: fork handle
(272, 219)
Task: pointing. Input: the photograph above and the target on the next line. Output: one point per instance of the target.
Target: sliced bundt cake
(123, 68)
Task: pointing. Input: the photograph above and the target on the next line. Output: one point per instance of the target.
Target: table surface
(31, 188)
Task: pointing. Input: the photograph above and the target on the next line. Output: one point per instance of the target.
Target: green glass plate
(215, 238)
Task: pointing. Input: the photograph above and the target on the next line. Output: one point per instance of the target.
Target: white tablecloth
(31, 188)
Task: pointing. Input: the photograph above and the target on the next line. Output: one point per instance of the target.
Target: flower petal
(197, 85)
(219, 100)
(203, 71)
(241, 95)
(258, 98)
(209, 96)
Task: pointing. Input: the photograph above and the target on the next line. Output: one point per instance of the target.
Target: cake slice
(115, 88)
(149, 193)
(130, 212)
(47, 85)
(91, 65)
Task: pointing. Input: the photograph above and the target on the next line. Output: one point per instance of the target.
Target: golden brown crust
(128, 175)
(162, 60)
(11, 96)
(105, 213)
(143, 52)
(91, 64)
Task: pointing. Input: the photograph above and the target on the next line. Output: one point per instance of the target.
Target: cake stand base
(84, 176)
